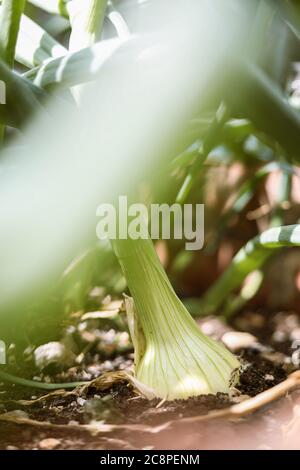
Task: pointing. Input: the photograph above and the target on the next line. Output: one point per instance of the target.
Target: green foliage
(10, 17)
(247, 121)
(249, 259)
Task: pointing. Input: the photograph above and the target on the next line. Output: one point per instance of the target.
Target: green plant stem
(290, 10)
(256, 277)
(255, 96)
(251, 94)
(261, 25)
(140, 265)
(75, 67)
(248, 291)
(58, 7)
(87, 19)
(210, 140)
(10, 17)
(284, 192)
(250, 258)
(6, 377)
(11, 12)
(117, 21)
(22, 98)
(243, 197)
(35, 45)
(174, 359)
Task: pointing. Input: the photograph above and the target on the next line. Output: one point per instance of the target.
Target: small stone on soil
(236, 340)
(49, 444)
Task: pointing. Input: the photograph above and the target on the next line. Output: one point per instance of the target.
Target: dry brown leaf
(56, 393)
(101, 314)
(105, 381)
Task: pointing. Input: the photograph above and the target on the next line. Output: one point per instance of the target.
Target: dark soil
(264, 365)
(260, 374)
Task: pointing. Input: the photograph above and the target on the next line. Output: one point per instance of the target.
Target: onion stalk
(173, 357)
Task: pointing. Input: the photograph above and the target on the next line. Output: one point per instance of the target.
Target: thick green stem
(178, 361)
(149, 287)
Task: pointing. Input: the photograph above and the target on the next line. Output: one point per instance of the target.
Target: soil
(265, 364)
